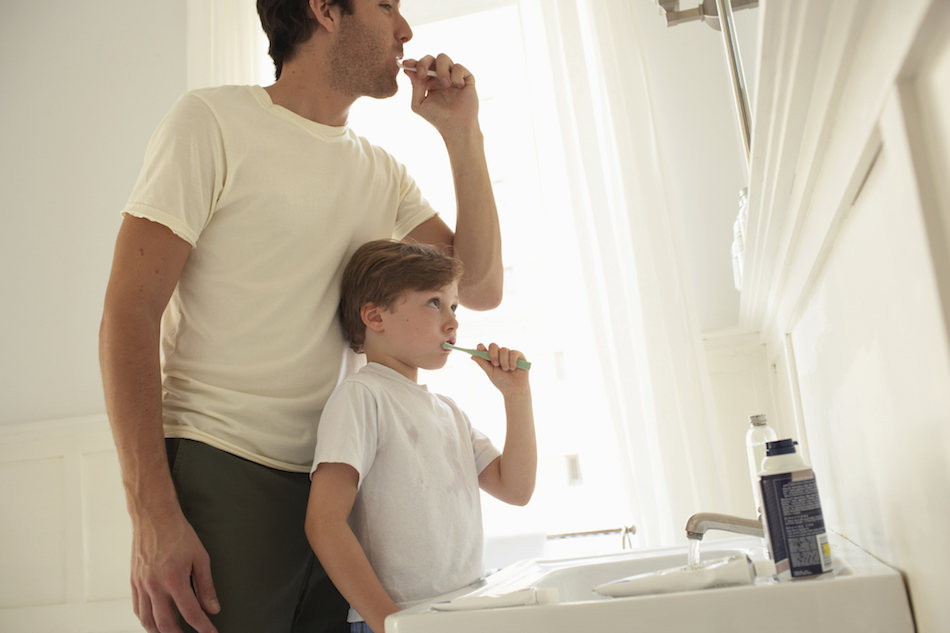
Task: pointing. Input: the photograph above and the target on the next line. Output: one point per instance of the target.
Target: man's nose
(403, 30)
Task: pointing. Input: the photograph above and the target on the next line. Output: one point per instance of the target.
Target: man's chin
(384, 92)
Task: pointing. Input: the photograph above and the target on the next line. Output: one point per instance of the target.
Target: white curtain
(588, 54)
(224, 43)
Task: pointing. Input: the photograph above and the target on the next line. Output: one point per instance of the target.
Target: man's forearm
(145, 270)
(477, 239)
(131, 378)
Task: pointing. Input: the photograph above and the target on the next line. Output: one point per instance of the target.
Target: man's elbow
(484, 296)
(522, 498)
(520, 495)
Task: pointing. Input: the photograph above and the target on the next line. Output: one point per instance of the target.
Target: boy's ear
(372, 317)
(327, 15)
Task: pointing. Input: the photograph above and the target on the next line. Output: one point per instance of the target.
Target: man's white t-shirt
(273, 205)
(417, 513)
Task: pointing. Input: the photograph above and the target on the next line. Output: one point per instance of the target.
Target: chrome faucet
(701, 522)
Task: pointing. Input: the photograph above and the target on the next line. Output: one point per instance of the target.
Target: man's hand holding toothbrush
(449, 102)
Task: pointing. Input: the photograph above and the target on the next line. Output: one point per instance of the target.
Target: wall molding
(58, 428)
(730, 338)
(115, 616)
(66, 534)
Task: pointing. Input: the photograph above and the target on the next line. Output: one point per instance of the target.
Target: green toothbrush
(521, 364)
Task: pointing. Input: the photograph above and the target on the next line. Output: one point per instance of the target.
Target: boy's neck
(410, 372)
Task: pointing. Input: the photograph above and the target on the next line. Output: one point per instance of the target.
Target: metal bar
(626, 535)
(730, 43)
(678, 17)
(552, 537)
(670, 9)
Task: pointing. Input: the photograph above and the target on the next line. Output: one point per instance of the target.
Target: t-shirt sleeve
(483, 450)
(184, 171)
(348, 429)
(414, 209)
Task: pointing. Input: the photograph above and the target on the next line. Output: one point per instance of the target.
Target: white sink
(863, 595)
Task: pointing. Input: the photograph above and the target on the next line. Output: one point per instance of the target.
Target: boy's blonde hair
(381, 271)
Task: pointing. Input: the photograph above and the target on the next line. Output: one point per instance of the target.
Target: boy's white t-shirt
(273, 205)
(417, 514)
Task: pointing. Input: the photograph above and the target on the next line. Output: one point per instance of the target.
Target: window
(545, 308)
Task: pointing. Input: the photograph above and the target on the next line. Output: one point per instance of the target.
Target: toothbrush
(521, 364)
(431, 73)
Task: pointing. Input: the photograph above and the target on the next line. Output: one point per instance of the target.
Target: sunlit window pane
(545, 309)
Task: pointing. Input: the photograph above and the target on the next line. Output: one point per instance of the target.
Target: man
(244, 216)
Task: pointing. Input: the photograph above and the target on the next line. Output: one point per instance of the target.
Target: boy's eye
(454, 308)
(434, 303)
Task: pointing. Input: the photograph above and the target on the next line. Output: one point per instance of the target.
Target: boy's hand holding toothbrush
(506, 368)
(511, 477)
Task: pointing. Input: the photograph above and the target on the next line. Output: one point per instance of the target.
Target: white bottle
(755, 438)
(792, 517)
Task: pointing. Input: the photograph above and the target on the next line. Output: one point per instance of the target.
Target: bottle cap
(758, 419)
(781, 447)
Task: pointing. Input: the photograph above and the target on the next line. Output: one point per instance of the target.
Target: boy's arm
(332, 493)
(511, 476)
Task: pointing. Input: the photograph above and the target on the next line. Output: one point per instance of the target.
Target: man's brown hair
(289, 23)
(381, 271)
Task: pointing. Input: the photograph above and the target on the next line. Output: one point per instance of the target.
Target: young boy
(394, 513)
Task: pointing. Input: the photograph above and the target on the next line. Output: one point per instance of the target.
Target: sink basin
(863, 595)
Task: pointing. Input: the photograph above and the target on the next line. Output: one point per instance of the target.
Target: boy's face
(415, 328)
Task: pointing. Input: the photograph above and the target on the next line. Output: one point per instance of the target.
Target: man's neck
(304, 90)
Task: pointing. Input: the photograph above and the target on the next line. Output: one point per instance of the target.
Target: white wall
(849, 283)
(64, 562)
(84, 85)
(738, 373)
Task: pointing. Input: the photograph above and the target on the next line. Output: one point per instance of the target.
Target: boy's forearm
(346, 564)
(518, 464)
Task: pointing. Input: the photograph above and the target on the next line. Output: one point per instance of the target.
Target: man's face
(363, 56)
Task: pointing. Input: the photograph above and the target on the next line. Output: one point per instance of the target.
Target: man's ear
(327, 15)
(372, 316)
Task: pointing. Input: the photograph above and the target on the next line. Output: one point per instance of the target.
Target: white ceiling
(423, 11)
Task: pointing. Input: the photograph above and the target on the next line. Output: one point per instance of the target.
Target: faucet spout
(701, 522)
